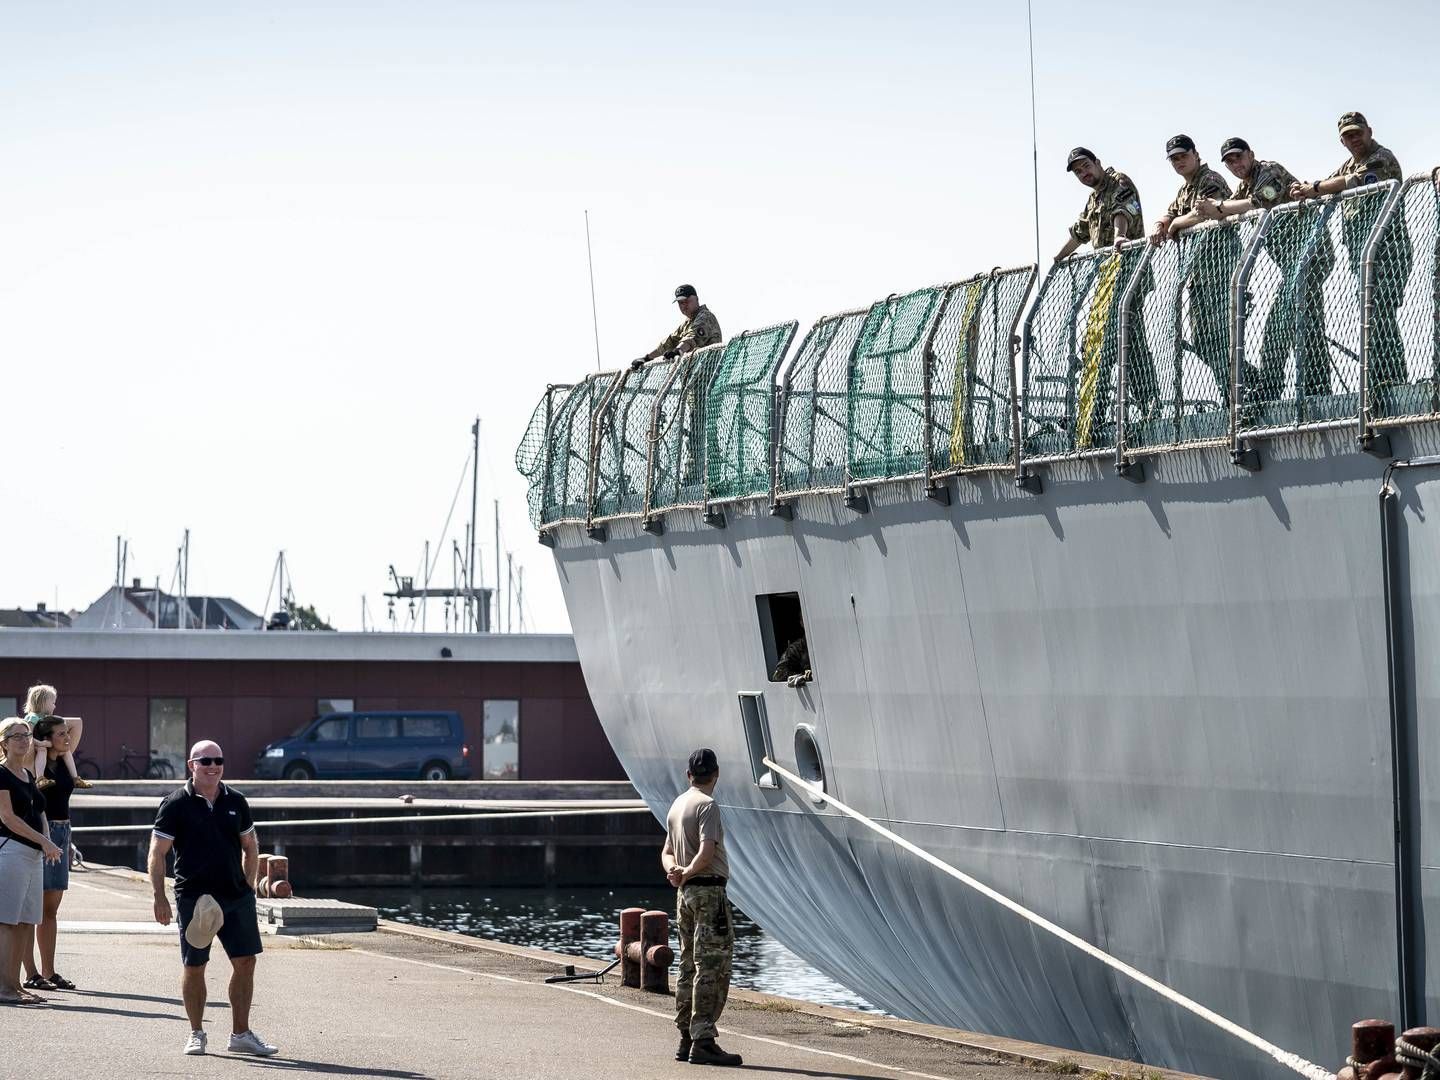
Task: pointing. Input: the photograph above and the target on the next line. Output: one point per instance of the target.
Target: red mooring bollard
(1422, 1038)
(274, 877)
(644, 950)
(1372, 1051)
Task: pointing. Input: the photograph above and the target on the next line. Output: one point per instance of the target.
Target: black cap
(703, 763)
(1233, 144)
(683, 291)
(1179, 144)
(1078, 154)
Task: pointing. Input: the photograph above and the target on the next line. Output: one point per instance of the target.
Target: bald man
(217, 858)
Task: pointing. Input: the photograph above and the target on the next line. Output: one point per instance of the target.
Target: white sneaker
(250, 1043)
(196, 1043)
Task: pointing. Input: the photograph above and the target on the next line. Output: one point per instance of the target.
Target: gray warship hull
(1158, 697)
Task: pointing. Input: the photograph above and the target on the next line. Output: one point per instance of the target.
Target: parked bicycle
(151, 765)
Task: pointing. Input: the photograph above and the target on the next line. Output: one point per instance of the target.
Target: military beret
(683, 291)
(1079, 154)
(1353, 121)
(703, 762)
(1232, 145)
(1179, 144)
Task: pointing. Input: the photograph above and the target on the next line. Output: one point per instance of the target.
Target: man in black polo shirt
(218, 856)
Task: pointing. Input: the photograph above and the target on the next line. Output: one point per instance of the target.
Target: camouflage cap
(1179, 144)
(1233, 145)
(703, 763)
(1353, 121)
(1080, 153)
(682, 291)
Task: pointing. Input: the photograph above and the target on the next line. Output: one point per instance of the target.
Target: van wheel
(436, 770)
(299, 771)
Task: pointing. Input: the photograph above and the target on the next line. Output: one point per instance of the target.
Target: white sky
(261, 264)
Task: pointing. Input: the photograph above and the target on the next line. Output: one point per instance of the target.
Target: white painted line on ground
(101, 888)
(654, 1012)
(101, 926)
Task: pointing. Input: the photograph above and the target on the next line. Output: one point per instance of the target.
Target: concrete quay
(408, 1004)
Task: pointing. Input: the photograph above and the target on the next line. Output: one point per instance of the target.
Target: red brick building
(166, 689)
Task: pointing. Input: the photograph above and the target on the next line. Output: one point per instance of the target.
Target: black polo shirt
(207, 841)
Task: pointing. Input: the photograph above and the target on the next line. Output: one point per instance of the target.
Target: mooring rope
(507, 815)
(1284, 1057)
(1412, 1057)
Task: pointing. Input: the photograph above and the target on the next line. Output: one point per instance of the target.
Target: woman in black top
(24, 843)
(59, 733)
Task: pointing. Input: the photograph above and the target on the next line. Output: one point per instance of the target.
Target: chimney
(40, 607)
(136, 583)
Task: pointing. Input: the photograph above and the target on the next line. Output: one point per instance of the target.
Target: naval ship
(1117, 581)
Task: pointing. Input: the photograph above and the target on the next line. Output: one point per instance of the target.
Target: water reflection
(585, 922)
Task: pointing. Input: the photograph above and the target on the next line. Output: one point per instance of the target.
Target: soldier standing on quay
(1112, 215)
(699, 329)
(694, 861)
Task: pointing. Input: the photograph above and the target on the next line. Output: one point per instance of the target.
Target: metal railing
(1314, 314)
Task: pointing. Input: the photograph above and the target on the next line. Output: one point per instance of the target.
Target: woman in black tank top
(61, 736)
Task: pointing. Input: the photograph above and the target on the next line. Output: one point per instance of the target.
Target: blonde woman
(39, 703)
(25, 845)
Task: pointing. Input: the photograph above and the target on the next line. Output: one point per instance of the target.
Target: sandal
(37, 982)
(59, 982)
(27, 998)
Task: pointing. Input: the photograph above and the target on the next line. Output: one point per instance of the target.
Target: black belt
(712, 880)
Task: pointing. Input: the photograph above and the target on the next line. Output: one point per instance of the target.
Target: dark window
(377, 727)
(427, 727)
(782, 634)
(326, 705)
(332, 731)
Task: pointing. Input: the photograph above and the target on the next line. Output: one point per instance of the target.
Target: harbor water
(585, 922)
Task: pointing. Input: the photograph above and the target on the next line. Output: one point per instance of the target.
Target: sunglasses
(19, 735)
(208, 760)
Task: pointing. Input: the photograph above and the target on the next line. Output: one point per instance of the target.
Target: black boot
(708, 1052)
(683, 1054)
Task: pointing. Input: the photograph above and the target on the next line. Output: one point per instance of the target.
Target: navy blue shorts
(240, 936)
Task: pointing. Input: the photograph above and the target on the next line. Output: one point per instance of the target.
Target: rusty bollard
(644, 950)
(1372, 1046)
(274, 877)
(1409, 1048)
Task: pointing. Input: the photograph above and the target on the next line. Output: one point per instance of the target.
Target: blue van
(370, 745)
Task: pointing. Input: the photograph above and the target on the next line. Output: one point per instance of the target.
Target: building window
(9, 706)
(501, 759)
(326, 705)
(168, 731)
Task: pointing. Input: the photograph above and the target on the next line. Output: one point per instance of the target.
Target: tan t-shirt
(693, 819)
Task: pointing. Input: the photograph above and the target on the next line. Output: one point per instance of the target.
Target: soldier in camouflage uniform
(1206, 263)
(1112, 215)
(699, 329)
(1369, 163)
(1265, 185)
(695, 863)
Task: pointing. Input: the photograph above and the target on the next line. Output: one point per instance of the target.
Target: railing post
(648, 521)
(1124, 467)
(592, 471)
(1240, 454)
(938, 492)
(1025, 480)
(855, 500)
(1365, 436)
(779, 408)
(546, 487)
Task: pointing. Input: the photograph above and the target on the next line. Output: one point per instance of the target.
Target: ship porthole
(808, 764)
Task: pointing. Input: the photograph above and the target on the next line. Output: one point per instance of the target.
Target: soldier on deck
(1112, 215)
(1263, 186)
(1369, 163)
(699, 329)
(1207, 266)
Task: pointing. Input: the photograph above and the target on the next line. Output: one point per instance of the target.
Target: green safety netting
(738, 414)
(1404, 342)
(887, 387)
(567, 466)
(678, 476)
(1301, 359)
(1072, 343)
(970, 372)
(623, 439)
(530, 455)
(814, 406)
(1180, 328)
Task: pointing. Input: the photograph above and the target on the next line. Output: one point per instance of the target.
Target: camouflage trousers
(707, 938)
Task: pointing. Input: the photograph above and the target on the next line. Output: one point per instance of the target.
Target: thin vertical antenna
(1034, 131)
(594, 312)
(495, 596)
(471, 576)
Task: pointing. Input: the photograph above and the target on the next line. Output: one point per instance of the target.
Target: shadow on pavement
(326, 1067)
